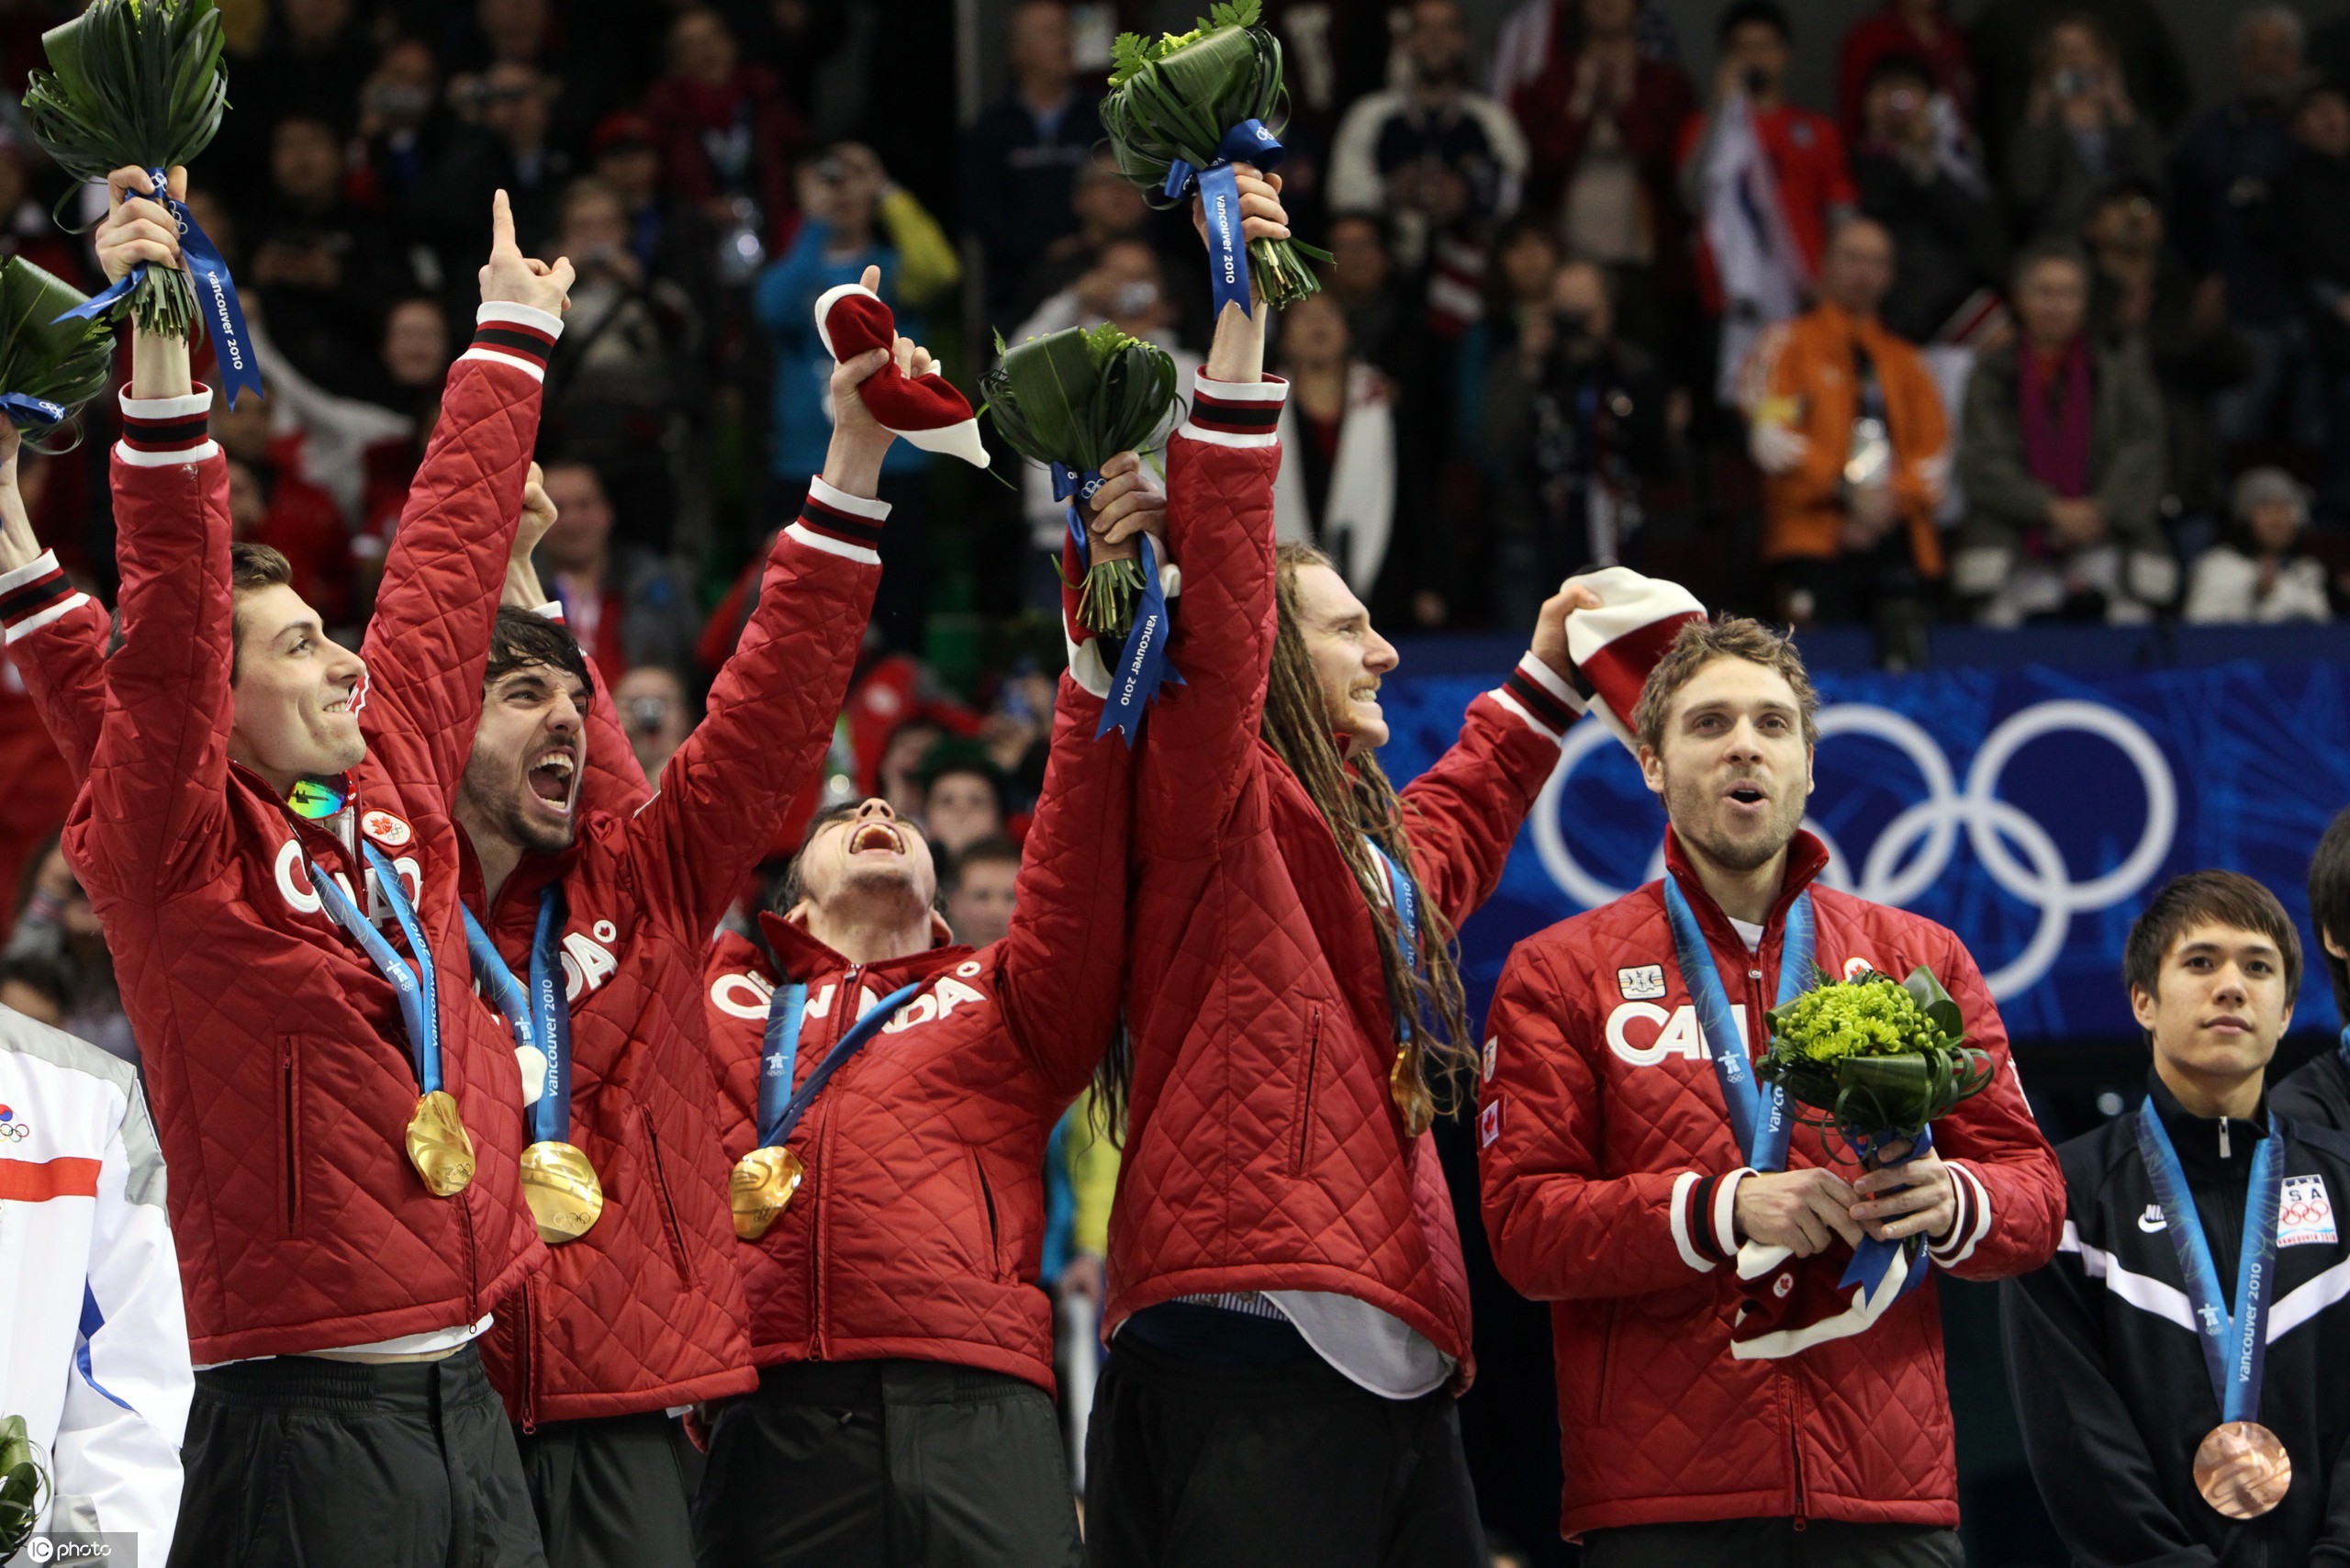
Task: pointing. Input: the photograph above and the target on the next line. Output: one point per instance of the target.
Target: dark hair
(1898, 66)
(2330, 905)
(1751, 13)
(2208, 898)
(251, 566)
(951, 757)
(521, 640)
(790, 888)
(2053, 248)
(994, 850)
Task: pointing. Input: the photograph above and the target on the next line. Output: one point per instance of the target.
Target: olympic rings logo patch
(11, 1129)
(1914, 850)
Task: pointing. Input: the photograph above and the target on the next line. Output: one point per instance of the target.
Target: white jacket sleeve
(117, 1459)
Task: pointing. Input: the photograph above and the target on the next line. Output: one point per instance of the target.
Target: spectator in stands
(1108, 208)
(978, 886)
(270, 503)
(2008, 39)
(1854, 449)
(2061, 458)
(728, 138)
(1537, 34)
(2221, 178)
(315, 56)
(504, 144)
(2080, 133)
(903, 758)
(1438, 157)
(320, 267)
(1749, 146)
(403, 131)
(657, 713)
(1386, 324)
(416, 361)
(57, 954)
(1021, 156)
(1921, 31)
(1579, 423)
(1603, 123)
(1337, 486)
(1920, 181)
(26, 227)
(2142, 290)
(671, 239)
(2310, 238)
(2258, 571)
(626, 608)
(962, 798)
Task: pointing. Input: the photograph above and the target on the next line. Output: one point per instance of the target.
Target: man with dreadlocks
(1286, 1290)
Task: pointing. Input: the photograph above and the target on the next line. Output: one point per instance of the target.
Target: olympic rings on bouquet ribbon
(29, 412)
(1929, 827)
(215, 295)
(1248, 142)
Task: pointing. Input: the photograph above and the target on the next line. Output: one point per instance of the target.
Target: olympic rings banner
(2030, 809)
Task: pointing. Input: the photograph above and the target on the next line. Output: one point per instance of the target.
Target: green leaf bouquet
(1074, 399)
(133, 82)
(1180, 105)
(24, 1485)
(1878, 1057)
(49, 368)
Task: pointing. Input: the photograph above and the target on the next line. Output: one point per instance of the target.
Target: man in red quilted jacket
(264, 829)
(1723, 1398)
(1286, 1284)
(904, 1410)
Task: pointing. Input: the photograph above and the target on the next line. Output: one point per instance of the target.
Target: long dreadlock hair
(1355, 799)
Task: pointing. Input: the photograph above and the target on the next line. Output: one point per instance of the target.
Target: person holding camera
(2080, 133)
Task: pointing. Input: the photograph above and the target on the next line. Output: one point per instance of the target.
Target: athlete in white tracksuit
(93, 1338)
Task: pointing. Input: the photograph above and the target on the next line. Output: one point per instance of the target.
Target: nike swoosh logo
(2153, 1221)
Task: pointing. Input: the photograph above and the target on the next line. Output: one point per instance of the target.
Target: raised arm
(152, 816)
(56, 633)
(428, 641)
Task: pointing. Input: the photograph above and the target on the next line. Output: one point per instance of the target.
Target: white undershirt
(433, 1341)
(1374, 1350)
(1748, 933)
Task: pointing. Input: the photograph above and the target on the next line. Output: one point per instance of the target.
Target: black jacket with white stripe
(2317, 1092)
(2108, 1375)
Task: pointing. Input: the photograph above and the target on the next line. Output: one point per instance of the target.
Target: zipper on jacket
(995, 1230)
(844, 1018)
(668, 1205)
(289, 1132)
(522, 1353)
(1795, 1449)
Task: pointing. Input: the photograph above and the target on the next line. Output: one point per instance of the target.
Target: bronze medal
(760, 1188)
(560, 1185)
(439, 1146)
(2242, 1469)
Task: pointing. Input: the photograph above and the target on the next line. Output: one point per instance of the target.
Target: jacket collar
(1806, 857)
(2200, 1139)
(801, 958)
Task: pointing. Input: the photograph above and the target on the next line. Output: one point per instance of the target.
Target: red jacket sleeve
(152, 816)
(1562, 1228)
(724, 795)
(1463, 814)
(2010, 1187)
(428, 643)
(57, 636)
(1201, 736)
(1063, 974)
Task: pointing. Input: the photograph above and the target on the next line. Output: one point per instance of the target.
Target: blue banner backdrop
(2031, 810)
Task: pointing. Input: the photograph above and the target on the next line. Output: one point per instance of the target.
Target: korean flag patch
(1644, 984)
(2305, 1213)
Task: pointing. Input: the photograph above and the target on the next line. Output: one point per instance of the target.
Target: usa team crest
(2305, 1213)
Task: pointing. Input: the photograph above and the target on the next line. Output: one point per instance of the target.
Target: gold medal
(439, 1146)
(2242, 1469)
(1411, 1096)
(560, 1185)
(761, 1184)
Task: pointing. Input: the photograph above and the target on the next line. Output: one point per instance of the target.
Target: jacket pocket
(289, 1135)
(660, 1180)
(1301, 1116)
(992, 1257)
(1600, 1392)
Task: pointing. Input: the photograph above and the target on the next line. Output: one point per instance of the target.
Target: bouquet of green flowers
(24, 1487)
(50, 365)
(1073, 400)
(142, 82)
(1182, 110)
(1880, 1060)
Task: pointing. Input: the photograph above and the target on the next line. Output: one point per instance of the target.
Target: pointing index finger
(501, 227)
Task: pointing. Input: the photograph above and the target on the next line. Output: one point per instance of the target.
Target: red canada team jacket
(1263, 1151)
(274, 1053)
(1604, 1139)
(645, 1311)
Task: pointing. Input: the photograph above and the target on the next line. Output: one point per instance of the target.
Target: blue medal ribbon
(540, 1017)
(1248, 142)
(414, 984)
(780, 1108)
(1142, 661)
(29, 412)
(1758, 1115)
(215, 295)
(2234, 1341)
(1405, 895)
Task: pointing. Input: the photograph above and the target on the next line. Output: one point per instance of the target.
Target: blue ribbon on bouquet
(1248, 142)
(215, 297)
(1872, 1258)
(29, 412)
(1142, 667)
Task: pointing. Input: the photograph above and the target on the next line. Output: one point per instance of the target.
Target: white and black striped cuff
(1237, 413)
(838, 523)
(1536, 693)
(34, 595)
(520, 336)
(159, 432)
(1703, 1210)
(1974, 1221)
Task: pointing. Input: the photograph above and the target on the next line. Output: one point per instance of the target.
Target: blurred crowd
(2011, 331)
